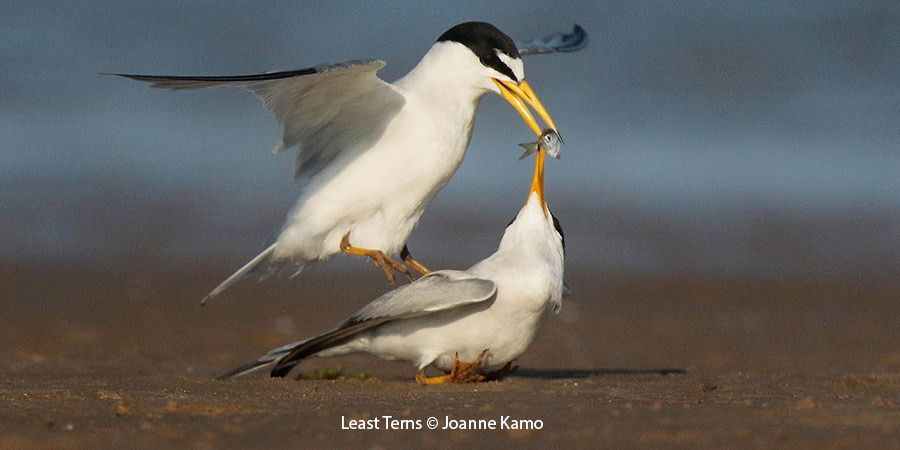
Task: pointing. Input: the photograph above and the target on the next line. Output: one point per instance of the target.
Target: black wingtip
(124, 75)
(174, 83)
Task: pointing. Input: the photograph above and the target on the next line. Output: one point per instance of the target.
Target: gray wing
(560, 42)
(437, 291)
(325, 110)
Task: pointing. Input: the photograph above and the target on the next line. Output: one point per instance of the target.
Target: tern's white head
(478, 57)
(534, 244)
(536, 209)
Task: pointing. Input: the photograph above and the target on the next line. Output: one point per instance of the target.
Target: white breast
(377, 194)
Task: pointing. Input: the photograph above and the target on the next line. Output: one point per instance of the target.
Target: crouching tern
(470, 324)
(374, 154)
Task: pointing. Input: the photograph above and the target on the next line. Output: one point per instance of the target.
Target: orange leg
(421, 378)
(411, 262)
(385, 262)
(460, 372)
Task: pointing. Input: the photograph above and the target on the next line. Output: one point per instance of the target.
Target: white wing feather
(324, 110)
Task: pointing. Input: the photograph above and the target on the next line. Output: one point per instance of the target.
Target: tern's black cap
(484, 40)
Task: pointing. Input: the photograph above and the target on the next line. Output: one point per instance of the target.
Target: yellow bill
(518, 95)
(537, 181)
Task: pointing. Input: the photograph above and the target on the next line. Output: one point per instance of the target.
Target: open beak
(518, 95)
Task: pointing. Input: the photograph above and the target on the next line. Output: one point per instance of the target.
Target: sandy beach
(128, 359)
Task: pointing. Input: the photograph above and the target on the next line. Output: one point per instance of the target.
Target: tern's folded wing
(325, 110)
(560, 42)
(437, 291)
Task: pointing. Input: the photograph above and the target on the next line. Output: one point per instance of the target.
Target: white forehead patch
(514, 63)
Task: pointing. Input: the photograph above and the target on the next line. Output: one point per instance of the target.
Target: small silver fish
(550, 142)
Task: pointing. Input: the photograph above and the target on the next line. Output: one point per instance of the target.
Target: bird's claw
(389, 266)
(463, 372)
(379, 259)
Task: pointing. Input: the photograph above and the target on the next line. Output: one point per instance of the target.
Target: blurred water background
(728, 138)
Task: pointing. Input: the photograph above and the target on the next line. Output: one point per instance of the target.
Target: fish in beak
(550, 142)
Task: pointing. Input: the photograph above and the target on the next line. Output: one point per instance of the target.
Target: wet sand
(124, 359)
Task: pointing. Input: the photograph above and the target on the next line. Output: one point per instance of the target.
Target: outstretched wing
(437, 291)
(324, 110)
(560, 42)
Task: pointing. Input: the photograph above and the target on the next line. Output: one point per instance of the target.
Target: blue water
(700, 113)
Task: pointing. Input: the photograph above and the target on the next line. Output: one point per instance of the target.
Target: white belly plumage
(460, 332)
(379, 213)
(505, 327)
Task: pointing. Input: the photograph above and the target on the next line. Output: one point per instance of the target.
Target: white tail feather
(241, 273)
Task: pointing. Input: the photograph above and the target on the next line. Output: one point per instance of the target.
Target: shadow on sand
(552, 374)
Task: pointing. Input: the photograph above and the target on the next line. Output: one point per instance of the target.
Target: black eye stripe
(497, 64)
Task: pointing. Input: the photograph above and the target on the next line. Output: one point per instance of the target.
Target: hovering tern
(470, 324)
(374, 154)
